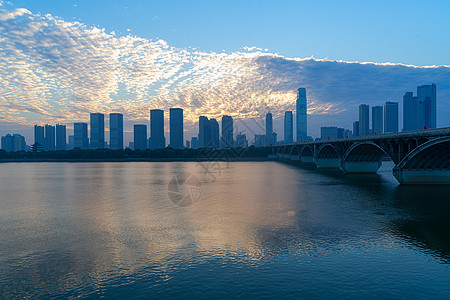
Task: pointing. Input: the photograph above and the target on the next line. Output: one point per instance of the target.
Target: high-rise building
(363, 120)
(80, 136)
(410, 112)
(302, 129)
(241, 140)
(269, 129)
(61, 138)
(188, 144)
(328, 133)
(49, 140)
(157, 139)
(97, 131)
(15, 142)
(39, 136)
(204, 132)
(71, 142)
(356, 128)
(426, 95)
(260, 140)
(176, 128)
(227, 140)
(391, 117)
(140, 137)
(288, 127)
(377, 120)
(214, 133)
(116, 131)
(194, 142)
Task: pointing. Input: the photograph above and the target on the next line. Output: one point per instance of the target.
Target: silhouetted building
(302, 130)
(61, 138)
(39, 136)
(80, 136)
(288, 127)
(391, 117)
(204, 132)
(12, 143)
(241, 141)
(214, 133)
(328, 133)
(227, 140)
(97, 131)
(188, 144)
(377, 119)
(140, 137)
(49, 140)
(347, 133)
(410, 112)
(260, 140)
(269, 129)
(116, 131)
(194, 142)
(176, 128)
(71, 142)
(426, 95)
(274, 139)
(363, 120)
(157, 139)
(356, 128)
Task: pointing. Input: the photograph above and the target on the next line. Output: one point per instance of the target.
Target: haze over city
(61, 62)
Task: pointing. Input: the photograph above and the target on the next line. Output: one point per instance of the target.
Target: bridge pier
(360, 167)
(295, 157)
(421, 176)
(328, 163)
(307, 160)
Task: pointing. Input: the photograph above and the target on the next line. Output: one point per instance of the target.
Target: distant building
(12, 143)
(340, 133)
(328, 133)
(157, 139)
(269, 129)
(410, 112)
(61, 137)
(260, 140)
(39, 136)
(302, 132)
(426, 95)
(71, 142)
(204, 132)
(241, 141)
(116, 131)
(363, 120)
(214, 133)
(377, 120)
(140, 137)
(176, 128)
(194, 142)
(227, 140)
(356, 128)
(288, 127)
(347, 133)
(274, 138)
(80, 136)
(131, 145)
(49, 140)
(391, 117)
(97, 131)
(188, 144)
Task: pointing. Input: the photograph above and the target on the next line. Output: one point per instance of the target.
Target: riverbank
(190, 159)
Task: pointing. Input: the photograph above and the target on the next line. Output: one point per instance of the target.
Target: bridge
(420, 157)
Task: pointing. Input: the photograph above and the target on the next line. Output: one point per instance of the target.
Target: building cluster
(419, 112)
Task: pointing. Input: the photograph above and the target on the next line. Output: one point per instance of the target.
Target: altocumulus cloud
(57, 71)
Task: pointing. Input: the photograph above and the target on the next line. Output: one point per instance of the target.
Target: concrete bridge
(420, 157)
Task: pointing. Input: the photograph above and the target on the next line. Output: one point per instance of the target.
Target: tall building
(288, 127)
(140, 137)
(176, 128)
(410, 112)
(227, 140)
(15, 142)
(328, 133)
(377, 119)
(157, 139)
(241, 140)
(80, 136)
(49, 140)
(356, 128)
(302, 130)
(39, 136)
(204, 132)
(269, 129)
(426, 95)
(97, 131)
(194, 142)
(61, 137)
(214, 133)
(116, 131)
(391, 117)
(363, 120)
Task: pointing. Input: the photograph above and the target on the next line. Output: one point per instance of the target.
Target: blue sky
(61, 60)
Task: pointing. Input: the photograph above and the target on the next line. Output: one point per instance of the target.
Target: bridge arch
(431, 155)
(307, 151)
(327, 151)
(363, 157)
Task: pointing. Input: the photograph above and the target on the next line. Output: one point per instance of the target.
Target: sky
(60, 60)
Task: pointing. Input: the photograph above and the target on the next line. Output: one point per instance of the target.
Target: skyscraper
(288, 127)
(269, 129)
(49, 140)
(356, 128)
(140, 137)
(157, 139)
(80, 136)
(391, 117)
(204, 132)
(39, 136)
(302, 132)
(410, 112)
(426, 95)
(116, 131)
(363, 120)
(176, 128)
(97, 131)
(227, 140)
(61, 138)
(214, 133)
(377, 119)
(15, 142)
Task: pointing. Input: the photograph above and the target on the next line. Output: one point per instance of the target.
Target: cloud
(57, 71)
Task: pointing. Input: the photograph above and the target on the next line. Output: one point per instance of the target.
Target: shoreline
(234, 159)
